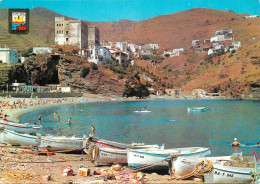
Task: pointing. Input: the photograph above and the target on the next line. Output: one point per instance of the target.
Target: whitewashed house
(251, 17)
(234, 46)
(8, 56)
(121, 45)
(176, 52)
(98, 55)
(153, 46)
(104, 52)
(199, 93)
(42, 50)
(146, 52)
(222, 35)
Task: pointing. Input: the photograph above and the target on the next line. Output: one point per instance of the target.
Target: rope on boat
(255, 175)
(93, 152)
(199, 170)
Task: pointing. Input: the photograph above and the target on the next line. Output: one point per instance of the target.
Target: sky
(114, 10)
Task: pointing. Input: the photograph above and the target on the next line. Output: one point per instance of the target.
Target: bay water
(168, 123)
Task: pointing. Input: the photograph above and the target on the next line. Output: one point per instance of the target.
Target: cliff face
(39, 70)
(96, 81)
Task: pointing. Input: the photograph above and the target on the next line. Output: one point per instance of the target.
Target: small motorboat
(142, 111)
(196, 109)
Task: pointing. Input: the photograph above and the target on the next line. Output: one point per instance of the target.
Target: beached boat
(56, 143)
(18, 139)
(117, 145)
(19, 127)
(62, 143)
(228, 174)
(157, 159)
(108, 155)
(196, 109)
(185, 165)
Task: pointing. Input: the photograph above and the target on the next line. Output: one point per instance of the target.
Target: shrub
(232, 19)
(84, 72)
(120, 76)
(94, 66)
(167, 55)
(146, 57)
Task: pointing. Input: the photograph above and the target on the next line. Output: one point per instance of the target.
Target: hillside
(231, 74)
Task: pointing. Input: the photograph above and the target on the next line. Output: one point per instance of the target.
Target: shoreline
(16, 114)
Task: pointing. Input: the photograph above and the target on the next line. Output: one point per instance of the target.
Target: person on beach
(58, 118)
(235, 143)
(40, 119)
(69, 121)
(54, 113)
(5, 119)
(258, 144)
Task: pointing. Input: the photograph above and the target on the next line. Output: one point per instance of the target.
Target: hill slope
(233, 75)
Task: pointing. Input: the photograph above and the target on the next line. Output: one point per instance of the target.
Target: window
(67, 39)
(67, 32)
(57, 24)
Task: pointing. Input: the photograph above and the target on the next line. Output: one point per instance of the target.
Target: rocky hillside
(233, 75)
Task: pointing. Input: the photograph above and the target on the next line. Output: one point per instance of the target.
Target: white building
(104, 52)
(98, 55)
(176, 52)
(153, 46)
(222, 35)
(23, 59)
(234, 46)
(146, 52)
(133, 47)
(8, 56)
(71, 32)
(42, 50)
(251, 16)
(121, 45)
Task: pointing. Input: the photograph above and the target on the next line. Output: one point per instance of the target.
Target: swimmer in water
(235, 143)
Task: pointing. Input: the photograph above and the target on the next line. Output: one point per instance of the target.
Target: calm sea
(168, 123)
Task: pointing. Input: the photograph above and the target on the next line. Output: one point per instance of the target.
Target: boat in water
(196, 109)
(19, 127)
(142, 111)
(156, 159)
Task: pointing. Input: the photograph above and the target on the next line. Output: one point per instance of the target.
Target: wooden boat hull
(185, 165)
(117, 145)
(56, 143)
(157, 159)
(109, 156)
(19, 127)
(62, 143)
(18, 139)
(226, 174)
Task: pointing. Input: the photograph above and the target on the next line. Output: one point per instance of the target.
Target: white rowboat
(185, 165)
(19, 127)
(157, 159)
(227, 174)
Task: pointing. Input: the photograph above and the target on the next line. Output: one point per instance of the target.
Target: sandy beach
(17, 166)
